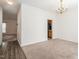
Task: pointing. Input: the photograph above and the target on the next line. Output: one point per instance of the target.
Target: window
(3, 27)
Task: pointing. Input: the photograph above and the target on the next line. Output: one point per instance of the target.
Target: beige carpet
(52, 49)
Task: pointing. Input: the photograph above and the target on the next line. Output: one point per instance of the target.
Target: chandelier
(61, 8)
(9, 2)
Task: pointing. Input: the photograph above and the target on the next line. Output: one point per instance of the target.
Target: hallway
(13, 51)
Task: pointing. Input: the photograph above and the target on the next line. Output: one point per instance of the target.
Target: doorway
(49, 29)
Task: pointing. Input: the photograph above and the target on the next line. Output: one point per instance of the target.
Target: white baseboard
(25, 44)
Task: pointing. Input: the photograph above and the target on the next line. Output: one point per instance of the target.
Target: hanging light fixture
(61, 8)
(10, 2)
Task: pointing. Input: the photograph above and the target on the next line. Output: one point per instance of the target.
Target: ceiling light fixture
(9, 2)
(61, 8)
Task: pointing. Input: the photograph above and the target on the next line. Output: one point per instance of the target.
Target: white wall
(34, 24)
(19, 26)
(0, 25)
(67, 25)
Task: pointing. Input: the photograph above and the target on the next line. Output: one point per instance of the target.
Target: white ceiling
(10, 8)
(51, 5)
